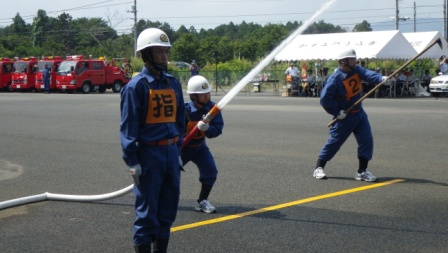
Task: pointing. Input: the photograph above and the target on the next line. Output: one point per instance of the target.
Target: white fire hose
(64, 197)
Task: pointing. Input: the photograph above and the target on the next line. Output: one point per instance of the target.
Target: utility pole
(134, 11)
(415, 18)
(445, 30)
(396, 15)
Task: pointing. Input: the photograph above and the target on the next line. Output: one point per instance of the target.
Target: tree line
(228, 47)
(64, 35)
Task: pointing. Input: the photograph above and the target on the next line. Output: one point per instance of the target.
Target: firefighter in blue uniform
(342, 89)
(46, 78)
(197, 150)
(151, 133)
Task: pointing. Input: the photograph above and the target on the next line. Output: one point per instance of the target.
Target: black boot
(160, 246)
(143, 249)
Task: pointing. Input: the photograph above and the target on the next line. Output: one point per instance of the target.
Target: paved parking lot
(266, 197)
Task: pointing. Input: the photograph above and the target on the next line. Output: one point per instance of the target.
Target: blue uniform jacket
(46, 74)
(333, 94)
(134, 109)
(215, 126)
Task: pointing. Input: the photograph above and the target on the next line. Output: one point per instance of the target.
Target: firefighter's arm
(215, 127)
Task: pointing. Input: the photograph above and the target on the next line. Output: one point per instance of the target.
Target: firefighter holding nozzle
(197, 150)
(342, 90)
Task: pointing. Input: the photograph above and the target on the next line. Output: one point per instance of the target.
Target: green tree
(61, 40)
(322, 27)
(17, 39)
(272, 35)
(247, 49)
(225, 49)
(40, 28)
(185, 48)
(364, 26)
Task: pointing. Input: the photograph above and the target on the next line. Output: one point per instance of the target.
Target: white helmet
(198, 85)
(152, 37)
(347, 53)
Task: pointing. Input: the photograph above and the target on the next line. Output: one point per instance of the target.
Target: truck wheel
(102, 89)
(85, 88)
(116, 87)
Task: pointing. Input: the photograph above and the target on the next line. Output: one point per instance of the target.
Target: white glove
(136, 172)
(202, 125)
(385, 78)
(341, 115)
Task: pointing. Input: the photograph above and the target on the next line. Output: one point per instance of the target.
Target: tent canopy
(420, 40)
(368, 45)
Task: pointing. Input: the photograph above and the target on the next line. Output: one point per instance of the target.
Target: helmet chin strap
(158, 66)
(343, 62)
(196, 101)
(149, 57)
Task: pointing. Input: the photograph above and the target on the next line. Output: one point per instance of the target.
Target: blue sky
(211, 13)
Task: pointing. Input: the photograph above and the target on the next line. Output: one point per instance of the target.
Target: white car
(438, 85)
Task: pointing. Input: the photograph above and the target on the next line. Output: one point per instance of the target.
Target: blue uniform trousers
(157, 196)
(47, 84)
(359, 125)
(202, 157)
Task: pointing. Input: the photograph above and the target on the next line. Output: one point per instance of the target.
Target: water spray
(243, 82)
(213, 112)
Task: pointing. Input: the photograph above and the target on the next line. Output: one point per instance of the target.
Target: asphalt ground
(266, 197)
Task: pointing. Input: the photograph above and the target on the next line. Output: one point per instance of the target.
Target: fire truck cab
(6, 65)
(24, 74)
(53, 63)
(77, 73)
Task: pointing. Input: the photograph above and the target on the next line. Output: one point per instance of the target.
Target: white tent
(368, 45)
(420, 40)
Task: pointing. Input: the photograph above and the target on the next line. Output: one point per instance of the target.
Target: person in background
(292, 76)
(426, 79)
(443, 65)
(311, 88)
(342, 90)
(151, 134)
(194, 68)
(319, 81)
(363, 64)
(292, 71)
(400, 82)
(197, 150)
(382, 91)
(412, 82)
(324, 76)
(46, 78)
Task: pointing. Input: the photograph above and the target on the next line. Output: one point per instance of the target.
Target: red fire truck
(24, 74)
(53, 63)
(5, 73)
(79, 74)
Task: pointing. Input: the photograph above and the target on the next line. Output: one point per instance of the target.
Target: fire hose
(438, 41)
(213, 112)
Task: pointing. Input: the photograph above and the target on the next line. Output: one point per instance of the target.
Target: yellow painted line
(280, 206)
